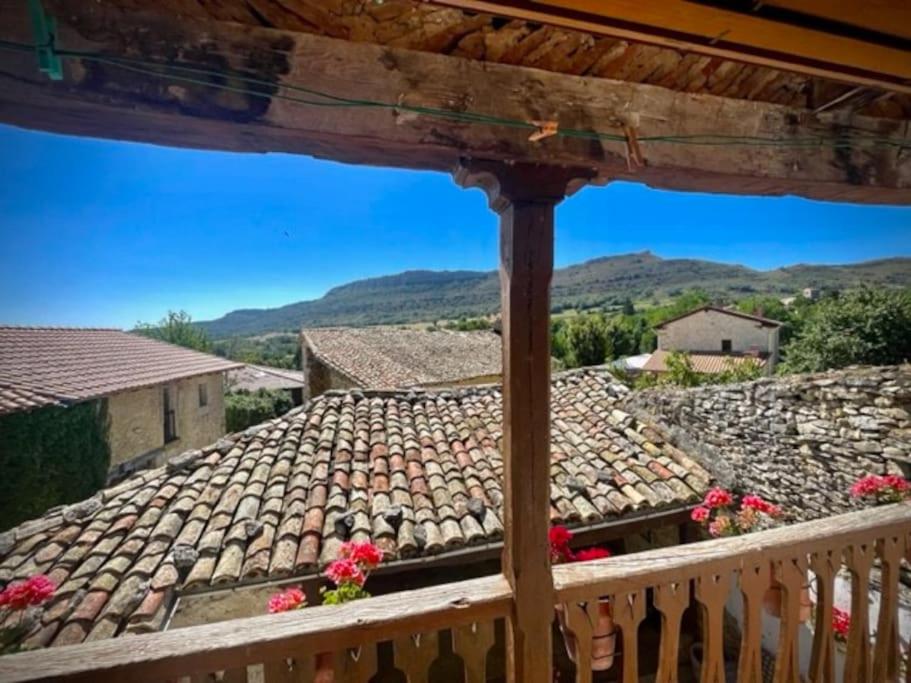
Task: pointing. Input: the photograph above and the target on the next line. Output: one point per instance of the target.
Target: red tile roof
(705, 363)
(419, 473)
(45, 365)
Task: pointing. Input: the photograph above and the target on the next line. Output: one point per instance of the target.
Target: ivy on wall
(51, 456)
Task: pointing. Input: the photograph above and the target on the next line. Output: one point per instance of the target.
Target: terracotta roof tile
(418, 473)
(42, 366)
(706, 363)
(391, 357)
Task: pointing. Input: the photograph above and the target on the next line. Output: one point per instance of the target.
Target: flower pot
(604, 636)
(324, 668)
(774, 596)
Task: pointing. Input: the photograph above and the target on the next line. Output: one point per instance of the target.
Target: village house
(385, 357)
(715, 338)
(158, 398)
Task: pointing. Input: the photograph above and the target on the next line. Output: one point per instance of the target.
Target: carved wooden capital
(506, 184)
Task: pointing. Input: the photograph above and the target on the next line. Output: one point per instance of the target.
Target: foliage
(584, 340)
(680, 370)
(746, 371)
(273, 350)
(51, 456)
(864, 326)
(176, 328)
(889, 488)
(243, 408)
(469, 324)
(604, 283)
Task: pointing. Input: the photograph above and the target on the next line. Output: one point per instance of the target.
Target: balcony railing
(281, 647)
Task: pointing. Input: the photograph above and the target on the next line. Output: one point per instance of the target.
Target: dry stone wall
(800, 440)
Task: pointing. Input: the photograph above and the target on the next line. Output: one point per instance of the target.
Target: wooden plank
(473, 643)
(235, 643)
(887, 653)
(791, 574)
(580, 618)
(754, 581)
(415, 653)
(106, 100)
(653, 567)
(712, 593)
(824, 564)
(299, 670)
(688, 26)
(859, 557)
(356, 665)
(671, 599)
(629, 610)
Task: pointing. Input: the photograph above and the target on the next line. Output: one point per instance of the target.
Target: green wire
(178, 72)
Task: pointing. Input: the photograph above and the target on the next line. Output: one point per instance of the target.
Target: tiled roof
(419, 473)
(706, 363)
(765, 322)
(392, 357)
(255, 377)
(43, 365)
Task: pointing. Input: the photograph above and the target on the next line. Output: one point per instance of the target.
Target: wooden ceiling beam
(824, 44)
(108, 101)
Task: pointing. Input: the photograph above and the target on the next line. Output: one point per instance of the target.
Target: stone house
(385, 357)
(253, 378)
(159, 398)
(716, 337)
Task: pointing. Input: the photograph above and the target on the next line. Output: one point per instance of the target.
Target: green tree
(864, 326)
(586, 340)
(176, 328)
(243, 409)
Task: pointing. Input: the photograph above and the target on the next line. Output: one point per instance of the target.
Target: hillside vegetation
(416, 296)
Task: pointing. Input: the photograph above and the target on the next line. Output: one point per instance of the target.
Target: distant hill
(423, 295)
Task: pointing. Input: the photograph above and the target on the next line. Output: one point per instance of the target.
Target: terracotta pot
(324, 668)
(604, 636)
(774, 596)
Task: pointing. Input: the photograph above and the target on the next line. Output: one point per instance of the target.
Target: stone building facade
(800, 440)
(138, 435)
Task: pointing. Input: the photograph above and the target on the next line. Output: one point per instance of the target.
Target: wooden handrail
(239, 642)
(580, 580)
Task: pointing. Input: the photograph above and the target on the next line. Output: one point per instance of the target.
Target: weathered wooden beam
(524, 195)
(110, 101)
(862, 44)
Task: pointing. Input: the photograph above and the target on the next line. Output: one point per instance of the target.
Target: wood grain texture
(356, 665)
(671, 599)
(791, 574)
(299, 670)
(678, 563)
(628, 610)
(580, 618)
(414, 654)
(887, 653)
(859, 558)
(711, 593)
(754, 581)
(104, 100)
(473, 643)
(231, 644)
(824, 564)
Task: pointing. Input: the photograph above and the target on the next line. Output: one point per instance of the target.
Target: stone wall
(800, 440)
(704, 331)
(136, 431)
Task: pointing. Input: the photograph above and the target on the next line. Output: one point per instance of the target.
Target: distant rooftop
(255, 377)
(42, 366)
(392, 357)
(704, 363)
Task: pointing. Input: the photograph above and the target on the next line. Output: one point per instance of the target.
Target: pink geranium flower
(367, 555)
(34, 591)
(592, 554)
(291, 599)
(559, 537)
(754, 502)
(345, 571)
(717, 498)
(700, 514)
(841, 623)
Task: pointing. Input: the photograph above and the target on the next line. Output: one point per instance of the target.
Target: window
(726, 345)
(203, 395)
(169, 415)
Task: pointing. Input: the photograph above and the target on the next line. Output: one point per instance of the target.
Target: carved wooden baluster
(628, 611)
(908, 656)
(473, 643)
(580, 619)
(298, 670)
(356, 665)
(671, 599)
(825, 565)
(887, 653)
(859, 558)
(792, 575)
(238, 675)
(415, 654)
(712, 593)
(754, 582)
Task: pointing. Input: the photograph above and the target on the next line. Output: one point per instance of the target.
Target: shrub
(243, 408)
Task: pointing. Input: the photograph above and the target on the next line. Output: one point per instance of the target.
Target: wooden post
(524, 195)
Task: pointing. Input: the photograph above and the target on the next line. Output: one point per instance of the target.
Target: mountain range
(424, 295)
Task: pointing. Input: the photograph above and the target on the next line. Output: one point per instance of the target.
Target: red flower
(291, 599)
(841, 623)
(889, 488)
(895, 482)
(754, 502)
(560, 537)
(866, 486)
(592, 554)
(700, 514)
(366, 555)
(35, 590)
(717, 498)
(345, 571)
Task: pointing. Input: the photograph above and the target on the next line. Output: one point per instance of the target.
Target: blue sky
(102, 233)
